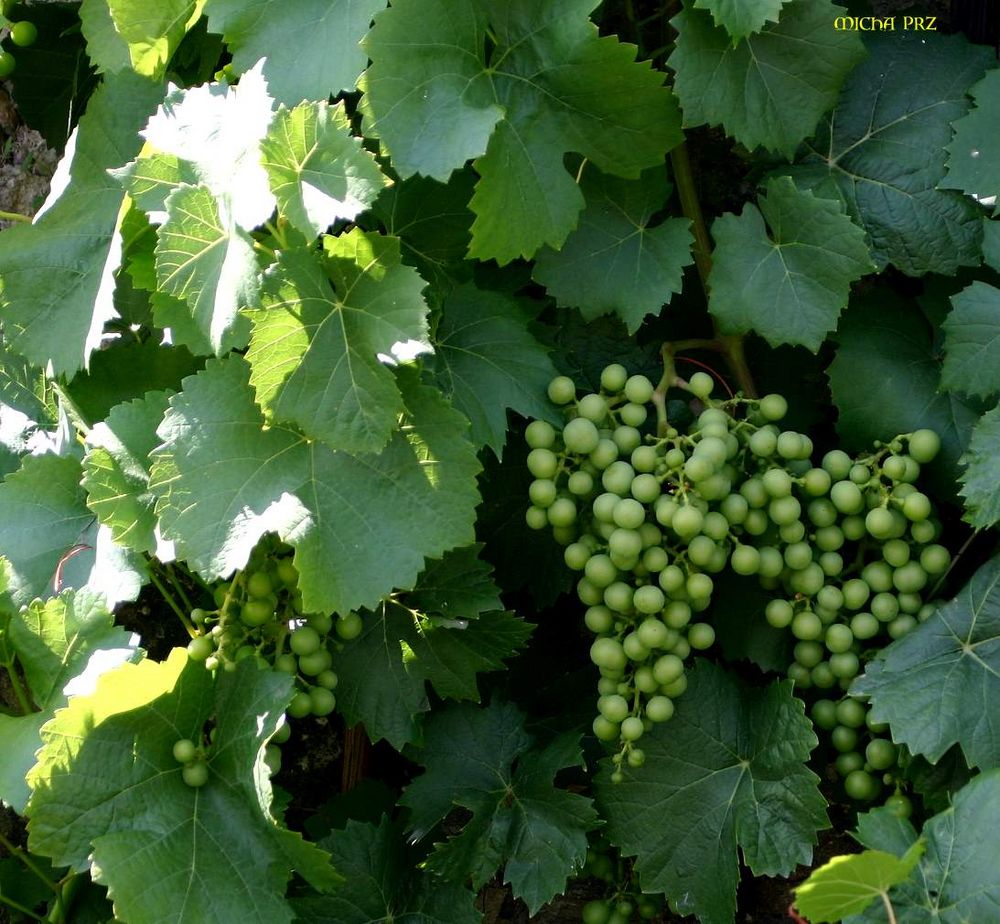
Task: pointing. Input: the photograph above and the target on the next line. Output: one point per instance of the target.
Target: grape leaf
(459, 585)
(484, 761)
(883, 147)
(382, 674)
(107, 794)
(382, 884)
(848, 885)
(618, 260)
(209, 264)
(742, 17)
(67, 638)
(791, 286)
(107, 50)
(981, 476)
(991, 244)
(770, 89)
(975, 135)
(489, 361)
(728, 771)
(326, 322)
(210, 136)
(956, 881)
(972, 342)
(432, 221)
(116, 471)
(152, 31)
(42, 516)
(58, 272)
(551, 86)
(311, 47)
(318, 171)
(885, 381)
(361, 524)
(935, 686)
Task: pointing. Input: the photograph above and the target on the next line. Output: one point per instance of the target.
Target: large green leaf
(311, 47)
(107, 794)
(43, 516)
(488, 361)
(318, 171)
(935, 685)
(770, 89)
(116, 471)
(972, 342)
(981, 477)
(327, 322)
(361, 524)
(211, 136)
(790, 285)
(57, 274)
(152, 31)
(550, 86)
(849, 884)
(886, 377)
(55, 641)
(107, 50)
(883, 150)
(973, 161)
(741, 17)
(459, 585)
(618, 260)
(208, 263)
(382, 884)
(956, 881)
(729, 773)
(482, 760)
(383, 673)
(991, 243)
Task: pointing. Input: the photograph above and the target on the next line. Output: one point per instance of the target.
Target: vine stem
(18, 853)
(172, 603)
(889, 911)
(64, 900)
(17, 906)
(731, 346)
(15, 216)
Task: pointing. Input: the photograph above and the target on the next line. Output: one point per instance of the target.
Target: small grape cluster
(259, 615)
(22, 34)
(650, 516)
(194, 757)
(625, 901)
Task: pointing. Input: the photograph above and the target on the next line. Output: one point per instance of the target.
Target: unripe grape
(843, 738)
(701, 636)
(542, 492)
(817, 483)
(608, 653)
(910, 578)
(677, 614)
(614, 708)
(322, 701)
(763, 443)
(195, 774)
(687, 522)
(348, 626)
(916, 507)
(200, 648)
(845, 665)
(638, 389)
(643, 459)
(861, 786)
(808, 653)
(807, 626)
(777, 482)
(592, 407)
(935, 559)
(648, 599)
(745, 560)
(894, 468)
(839, 638)
(880, 754)
(580, 436)
(847, 497)
(701, 384)
(924, 445)
(614, 377)
(632, 728)
(667, 669)
(542, 463)
(824, 714)
(561, 390)
(779, 613)
(753, 491)
(603, 454)
(562, 512)
(617, 479)
(901, 625)
(773, 407)
(184, 751)
(311, 665)
(864, 626)
(536, 518)
(879, 523)
(672, 579)
(699, 586)
(659, 708)
(605, 730)
(847, 763)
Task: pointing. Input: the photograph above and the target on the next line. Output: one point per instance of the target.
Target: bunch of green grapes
(22, 34)
(259, 615)
(650, 516)
(624, 901)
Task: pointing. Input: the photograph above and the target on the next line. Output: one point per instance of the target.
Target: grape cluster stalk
(651, 516)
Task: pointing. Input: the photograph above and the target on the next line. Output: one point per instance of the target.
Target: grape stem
(172, 603)
(730, 345)
(889, 911)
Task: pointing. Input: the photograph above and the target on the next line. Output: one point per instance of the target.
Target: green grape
(540, 434)
(561, 390)
(603, 454)
(821, 512)
(935, 559)
(348, 626)
(632, 728)
(321, 701)
(653, 633)
(860, 474)
(808, 653)
(847, 763)
(701, 550)
(195, 774)
(772, 563)
(614, 377)
(879, 523)
(734, 508)
(628, 512)
(822, 677)
(562, 512)
(896, 552)
(638, 389)
(823, 714)
(777, 482)
(845, 665)
(542, 492)
(880, 754)
(745, 560)
(614, 708)
(901, 625)
(832, 563)
(924, 445)
(580, 436)
(618, 597)
(843, 738)
(850, 712)
(672, 579)
(259, 585)
(644, 459)
(853, 527)
(817, 483)
(884, 606)
(328, 679)
(286, 663)
(674, 458)
(605, 730)
(648, 599)
(878, 576)
(923, 531)
(576, 555)
(899, 805)
(837, 463)
(617, 479)
(847, 497)
(542, 463)
(536, 518)
(910, 578)
(608, 653)
(779, 613)
(754, 493)
(677, 614)
(312, 665)
(698, 469)
(598, 619)
(856, 593)
(699, 586)
(659, 708)
(800, 676)
(756, 523)
(687, 522)
(200, 648)
(798, 555)
(626, 438)
(701, 384)
(597, 911)
(185, 751)
(861, 786)
(668, 669)
(784, 510)
(763, 443)
(700, 636)
(807, 626)
(792, 532)
(624, 544)
(839, 638)
(655, 559)
(304, 641)
(592, 407)
(773, 407)
(634, 649)
(257, 612)
(894, 468)
(864, 626)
